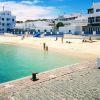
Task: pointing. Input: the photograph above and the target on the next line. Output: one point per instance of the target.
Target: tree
(60, 24)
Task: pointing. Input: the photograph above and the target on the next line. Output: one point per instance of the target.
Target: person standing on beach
(23, 37)
(44, 45)
(62, 39)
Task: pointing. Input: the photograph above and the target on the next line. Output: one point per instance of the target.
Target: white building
(93, 20)
(20, 25)
(35, 25)
(73, 23)
(7, 21)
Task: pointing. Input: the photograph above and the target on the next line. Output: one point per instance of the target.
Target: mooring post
(34, 78)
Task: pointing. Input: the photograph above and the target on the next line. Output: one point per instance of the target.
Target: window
(98, 19)
(2, 29)
(3, 24)
(91, 19)
(8, 19)
(90, 11)
(97, 10)
(13, 20)
(8, 29)
(2, 18)
(8, 24)
(0, 23)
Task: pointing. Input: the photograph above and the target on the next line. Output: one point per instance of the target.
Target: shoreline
(64, 51)
(44, 72)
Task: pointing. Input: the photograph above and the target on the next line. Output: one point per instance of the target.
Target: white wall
(74, 29)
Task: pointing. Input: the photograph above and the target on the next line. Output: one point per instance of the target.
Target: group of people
(88, 40)
(45, 47)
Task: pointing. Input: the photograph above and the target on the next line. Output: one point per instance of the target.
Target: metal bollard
(34, 77)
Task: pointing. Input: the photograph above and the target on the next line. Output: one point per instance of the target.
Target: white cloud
(37, 1)
(27, 2)
(24, 12)
(31, 2)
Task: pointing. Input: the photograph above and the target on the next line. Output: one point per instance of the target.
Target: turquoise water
(17, 61)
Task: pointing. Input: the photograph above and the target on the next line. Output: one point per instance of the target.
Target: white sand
(76, 48)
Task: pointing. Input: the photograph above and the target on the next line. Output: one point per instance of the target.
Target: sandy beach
(76, 48)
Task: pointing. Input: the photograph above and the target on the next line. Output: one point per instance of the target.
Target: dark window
(0, 23)
(2, 29)
(13, 20)
(8, 24)
(98, 19)
(2, 18)
(97, 10)
(90, 11)
(3, 24)
(8, 19)
(8, 29)
(91, 19)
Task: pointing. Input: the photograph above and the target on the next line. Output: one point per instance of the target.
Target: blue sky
(49, 7)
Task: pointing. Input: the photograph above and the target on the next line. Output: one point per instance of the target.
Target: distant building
(74, 26)
(34, 25)
(7, 21)
(72, 23)
(93, 26)
(67, 17)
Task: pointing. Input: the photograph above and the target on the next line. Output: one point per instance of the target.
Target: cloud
(24, 11)
(30, 2)
(27, 2)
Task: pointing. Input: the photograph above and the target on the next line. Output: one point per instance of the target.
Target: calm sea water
(17, 61)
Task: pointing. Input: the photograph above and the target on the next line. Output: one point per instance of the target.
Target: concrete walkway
(81, 84)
